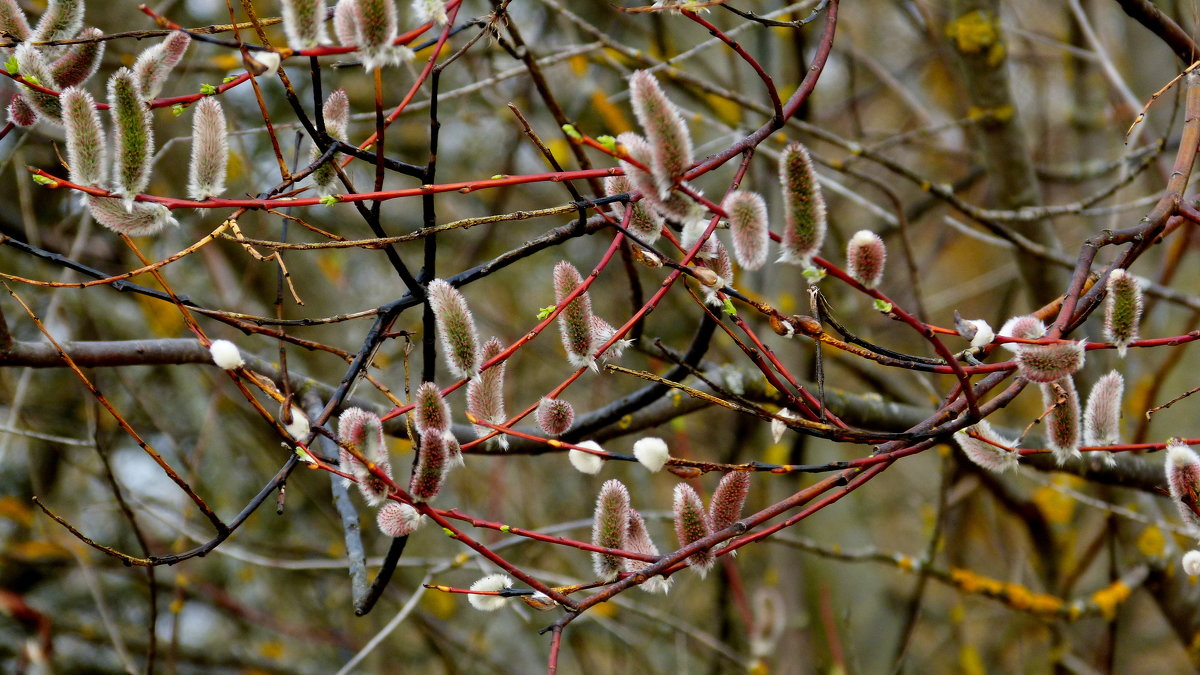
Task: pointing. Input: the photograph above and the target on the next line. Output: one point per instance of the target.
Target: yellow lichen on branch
(976, 32)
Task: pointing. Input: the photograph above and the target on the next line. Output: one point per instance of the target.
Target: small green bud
(883, 306)
(207, 89)
(177, 109)
(572, 132)
(498, 176)
(42, 180)
(228, 79)
(11, 65)
(449, 533)
(32, 79)
(813, 274)
(729, 308)
(505, 529)
(330, 200)
(608, 142)
(304, 456)
(544, 312)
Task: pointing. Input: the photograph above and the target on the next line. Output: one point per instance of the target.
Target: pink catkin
(865, 258)
(1049, 363)
(667, 133)
(430, 412)
(304, 23)
(376, 25)
(336, 113)
(34, 67)
(154, 65)
(397, 520)
(142, 219)
(1026, 327)
(133, 132)
(80, 62)
(13, 20)
(575, 321)
(725, 508)
(20, 112)
(804, 206)
(985, 454)
(691, 525)
(674, 205)
(1122, 309)
(555, 416)
(602, 332)
(1102, 415)
(456, 327)
(1063, 423)
(210, 150)
(345, 22)
(362, 430)
(609, 528)
(747, 215)
(1183, 481)
(485, 394)
(643, 222)
(637, 540)
(86, 150)
(61, 21)
(433, 462)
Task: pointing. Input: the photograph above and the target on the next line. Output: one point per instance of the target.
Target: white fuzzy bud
(586, 462)
(983, 333)
(298, 428)
(226, 355)
(263, 64)
(488, 584)
(779, 425)
(1191, 563)
(652, 453)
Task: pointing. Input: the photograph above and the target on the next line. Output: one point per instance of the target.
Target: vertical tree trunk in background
(974, 32)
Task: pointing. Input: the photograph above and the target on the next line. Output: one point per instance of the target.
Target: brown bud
(646, 257)
(780, 325)
(539, 601)
(806, 324)
(705, 276)
(683, 471)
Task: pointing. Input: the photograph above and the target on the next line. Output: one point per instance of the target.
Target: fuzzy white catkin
(430, 11)
(586, 462)
(299, 426)
(490, 583)
(652, 453)
(1191, 563)
(226, 354)
(86, 151)
(210, 150)
(398, 520)
(1026, 327)
(269, 61)
(304, 23)
(983, 333)
(153, 67)
(61, 20)
(141, 219)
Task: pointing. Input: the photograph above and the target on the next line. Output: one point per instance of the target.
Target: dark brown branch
(1150, 16)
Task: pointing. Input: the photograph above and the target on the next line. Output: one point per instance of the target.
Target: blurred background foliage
(275, 597)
